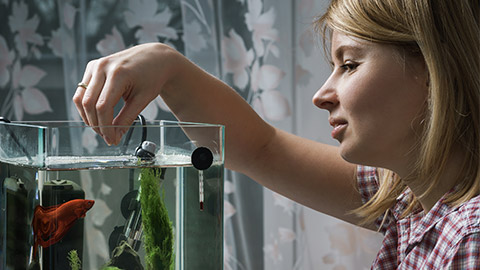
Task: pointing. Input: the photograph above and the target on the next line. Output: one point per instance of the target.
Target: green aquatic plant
(157, 227)
(74, 260)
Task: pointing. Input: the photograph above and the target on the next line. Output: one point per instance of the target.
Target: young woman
(404, 103)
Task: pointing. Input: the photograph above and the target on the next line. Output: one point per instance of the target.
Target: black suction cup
(129, 203)
(202, 158)
(115, 237)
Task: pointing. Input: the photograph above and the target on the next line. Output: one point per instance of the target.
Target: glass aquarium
(70, 201)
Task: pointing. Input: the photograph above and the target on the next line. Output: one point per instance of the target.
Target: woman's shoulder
(469, 213)
(462, 221)
(462, 236)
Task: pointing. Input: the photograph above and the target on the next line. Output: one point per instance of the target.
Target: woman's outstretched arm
(308, 172)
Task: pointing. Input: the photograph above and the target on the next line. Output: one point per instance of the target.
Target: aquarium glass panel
(70, 201)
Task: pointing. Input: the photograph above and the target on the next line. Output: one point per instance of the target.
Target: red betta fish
(50, 224)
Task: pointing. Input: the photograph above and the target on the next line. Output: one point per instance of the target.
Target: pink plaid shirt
(444, 238)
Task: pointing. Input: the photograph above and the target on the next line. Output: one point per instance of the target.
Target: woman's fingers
(108, 83)
(77, 100)
(80, 92)
(135, 74)
(127, 115)
(90, 97)
(113, 90)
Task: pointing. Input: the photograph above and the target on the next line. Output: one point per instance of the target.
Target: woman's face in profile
(376, 99)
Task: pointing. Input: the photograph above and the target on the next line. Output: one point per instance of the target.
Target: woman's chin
(351, 155)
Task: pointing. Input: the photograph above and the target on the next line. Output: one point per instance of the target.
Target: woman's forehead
(342, 39)
(342, 43)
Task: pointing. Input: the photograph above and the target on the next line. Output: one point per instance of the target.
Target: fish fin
(45, 209)
(35, 248)
(61, 232)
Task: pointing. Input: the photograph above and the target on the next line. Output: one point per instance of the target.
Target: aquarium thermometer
(200, 189)
(202, 159)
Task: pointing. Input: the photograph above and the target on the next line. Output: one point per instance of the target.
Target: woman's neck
(448, 179)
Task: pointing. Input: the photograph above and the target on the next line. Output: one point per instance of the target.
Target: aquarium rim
(81, 124)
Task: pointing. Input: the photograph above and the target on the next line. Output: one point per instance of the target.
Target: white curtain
(264, 49)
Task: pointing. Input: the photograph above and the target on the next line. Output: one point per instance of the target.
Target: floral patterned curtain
(263, 48)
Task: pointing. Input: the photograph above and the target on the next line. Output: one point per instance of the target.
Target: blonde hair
(446, 34)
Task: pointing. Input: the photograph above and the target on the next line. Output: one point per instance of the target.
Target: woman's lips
(339, 127)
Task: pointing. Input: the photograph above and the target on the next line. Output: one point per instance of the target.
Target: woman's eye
(349, 66)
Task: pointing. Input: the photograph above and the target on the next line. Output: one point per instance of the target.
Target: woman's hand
(137, 75)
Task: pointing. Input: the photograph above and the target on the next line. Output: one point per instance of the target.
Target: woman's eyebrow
(340, 50)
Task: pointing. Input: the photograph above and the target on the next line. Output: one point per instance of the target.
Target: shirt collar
(421, 223)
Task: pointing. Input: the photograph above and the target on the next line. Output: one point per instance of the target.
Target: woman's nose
(326, 97)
